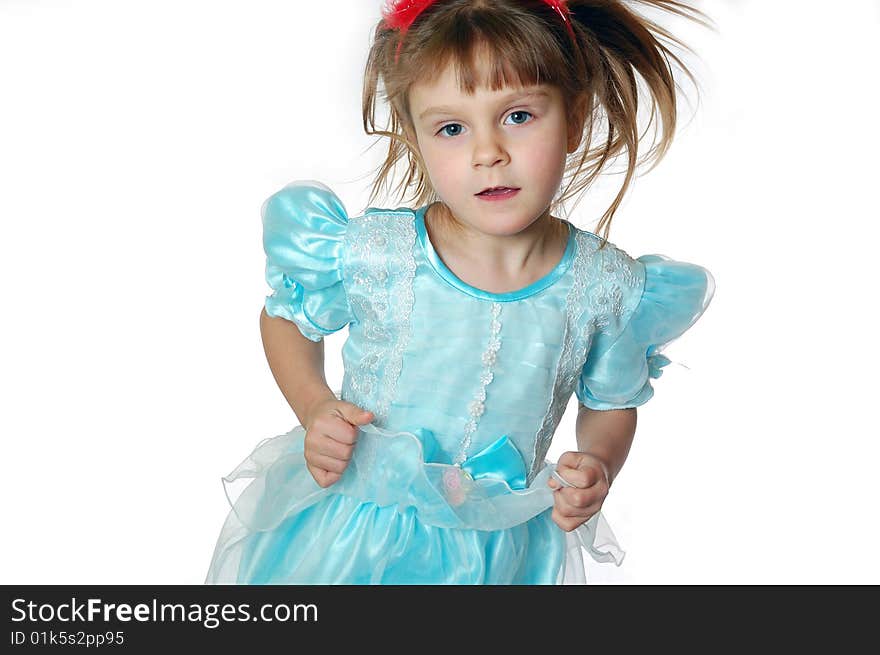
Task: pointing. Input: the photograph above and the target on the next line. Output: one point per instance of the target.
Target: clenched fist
(577, 504)
(330, 438)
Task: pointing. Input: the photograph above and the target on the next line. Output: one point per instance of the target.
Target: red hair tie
(400, 14)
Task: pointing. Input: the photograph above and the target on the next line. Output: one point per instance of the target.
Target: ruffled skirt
(393, 518)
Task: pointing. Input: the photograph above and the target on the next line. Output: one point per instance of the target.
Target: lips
(496, 190)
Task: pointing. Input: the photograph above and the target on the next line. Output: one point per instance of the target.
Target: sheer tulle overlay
(394, 519)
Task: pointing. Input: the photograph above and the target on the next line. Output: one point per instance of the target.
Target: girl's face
(516, 137)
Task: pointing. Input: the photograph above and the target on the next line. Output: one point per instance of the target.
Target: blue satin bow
(500, 460)
(656, 362)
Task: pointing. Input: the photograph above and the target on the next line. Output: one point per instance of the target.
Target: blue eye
(458, 128)
(520, 112)
(447, 126)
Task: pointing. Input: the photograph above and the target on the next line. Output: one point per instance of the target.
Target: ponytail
(619, 44)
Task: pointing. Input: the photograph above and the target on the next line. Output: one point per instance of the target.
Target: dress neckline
(453, 280)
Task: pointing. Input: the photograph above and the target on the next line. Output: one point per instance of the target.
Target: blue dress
(448, 484)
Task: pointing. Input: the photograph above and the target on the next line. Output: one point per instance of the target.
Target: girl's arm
(607, 435)
(297, 364)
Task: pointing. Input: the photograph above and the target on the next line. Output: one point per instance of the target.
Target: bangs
(490, 50)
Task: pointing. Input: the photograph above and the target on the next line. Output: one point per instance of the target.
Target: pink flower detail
(452, 479)
(455, 490)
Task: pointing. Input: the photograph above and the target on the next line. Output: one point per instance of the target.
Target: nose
(489, 150)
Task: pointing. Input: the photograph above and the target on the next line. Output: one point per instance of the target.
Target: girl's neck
(496, 264)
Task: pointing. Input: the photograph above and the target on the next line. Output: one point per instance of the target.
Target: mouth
(497, 191)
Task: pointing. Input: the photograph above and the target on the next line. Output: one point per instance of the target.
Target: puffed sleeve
(303, 229)
(617, 371)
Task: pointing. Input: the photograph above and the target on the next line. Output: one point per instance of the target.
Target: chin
(506, 228)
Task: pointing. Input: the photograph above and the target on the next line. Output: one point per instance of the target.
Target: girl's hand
(331, 434)
(575, 505)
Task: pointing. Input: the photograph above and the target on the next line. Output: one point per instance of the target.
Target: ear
(576, 117)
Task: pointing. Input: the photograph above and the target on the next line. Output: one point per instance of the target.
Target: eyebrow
(451, 110)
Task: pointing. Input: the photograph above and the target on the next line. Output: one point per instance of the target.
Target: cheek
(442, 166)
(547, 156)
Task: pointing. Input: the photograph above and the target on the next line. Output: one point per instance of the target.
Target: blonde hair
(528, 44)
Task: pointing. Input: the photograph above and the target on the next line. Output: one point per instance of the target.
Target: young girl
(472, 317)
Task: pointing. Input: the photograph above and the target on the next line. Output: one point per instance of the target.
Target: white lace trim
(586, 314)
(477, 406)
(382, 270)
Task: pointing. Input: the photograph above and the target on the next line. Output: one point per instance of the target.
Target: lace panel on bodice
(380, 268)
(596, 302)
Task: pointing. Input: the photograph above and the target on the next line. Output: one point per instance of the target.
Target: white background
(137, 143)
